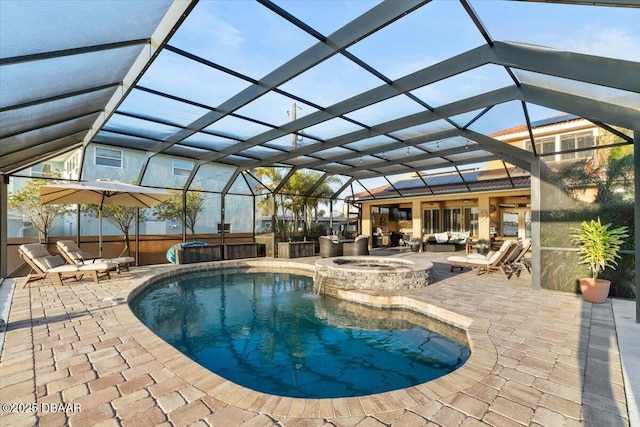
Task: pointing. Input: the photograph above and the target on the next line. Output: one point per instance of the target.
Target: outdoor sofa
(447, 241)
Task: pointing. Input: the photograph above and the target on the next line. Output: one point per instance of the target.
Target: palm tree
(272, 177)
(305, 204)
(295, 195)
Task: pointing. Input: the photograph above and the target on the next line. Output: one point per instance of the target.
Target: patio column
(484, 222)
(416, 219)
(367, 226)
(4, 225)
(538, 176)
(636, 167)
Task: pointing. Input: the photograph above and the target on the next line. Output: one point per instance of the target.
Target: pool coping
(479, 365)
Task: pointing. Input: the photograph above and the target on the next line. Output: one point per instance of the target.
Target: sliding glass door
(471, 220)
(431, 221)
(452, 219)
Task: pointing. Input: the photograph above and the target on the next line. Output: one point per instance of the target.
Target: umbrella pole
(100, 224)
(78, 219)
(137, 235)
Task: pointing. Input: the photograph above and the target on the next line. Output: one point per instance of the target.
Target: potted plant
(415, 244)
(598, 247)
(482, 246)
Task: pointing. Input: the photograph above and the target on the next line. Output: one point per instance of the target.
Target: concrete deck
(539, 358)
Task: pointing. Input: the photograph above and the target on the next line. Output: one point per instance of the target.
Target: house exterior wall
(164, 172)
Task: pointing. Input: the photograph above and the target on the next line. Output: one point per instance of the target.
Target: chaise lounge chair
(53, 266)
(496, 261)
(517, 261)
(74, 255)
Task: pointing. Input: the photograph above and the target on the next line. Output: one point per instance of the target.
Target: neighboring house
(493, 200)
(122, 164)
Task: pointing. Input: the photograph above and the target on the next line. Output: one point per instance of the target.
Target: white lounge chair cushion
(123, 260)
(67, 268)
(37, 253)
(97, 266)
(34, 250)
(471, 257)
(505, 245)
(488, 260)
(459, 259)
(488, 255)
(80, 255)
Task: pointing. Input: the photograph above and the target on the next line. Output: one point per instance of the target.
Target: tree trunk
(126, 243)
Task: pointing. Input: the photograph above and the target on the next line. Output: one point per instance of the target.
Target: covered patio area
(540, 358)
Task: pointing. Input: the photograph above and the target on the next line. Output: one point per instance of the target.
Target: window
(510, 224)
(576, 141)
(43, 169)
(543, 145)
(108, 157)
(72, 166)
(182, 167)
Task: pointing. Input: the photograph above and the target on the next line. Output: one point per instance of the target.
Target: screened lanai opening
(202, 97)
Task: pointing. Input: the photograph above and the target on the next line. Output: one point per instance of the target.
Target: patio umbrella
(102, 192)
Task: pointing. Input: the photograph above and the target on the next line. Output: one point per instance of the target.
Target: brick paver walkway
(541, 358)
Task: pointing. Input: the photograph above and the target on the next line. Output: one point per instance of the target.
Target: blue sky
(246, 37)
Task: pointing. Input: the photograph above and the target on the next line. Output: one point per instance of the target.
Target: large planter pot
(415, 247)
(482, 247)
(595, 291)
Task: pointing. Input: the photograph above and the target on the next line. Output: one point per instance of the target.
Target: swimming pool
(269, 332)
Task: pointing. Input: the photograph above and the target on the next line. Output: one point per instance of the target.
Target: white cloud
(206, 28)
(611, 42)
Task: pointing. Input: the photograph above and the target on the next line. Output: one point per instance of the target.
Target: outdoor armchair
(360, 246)
(74, 255)
(329, 248)
(53, 266)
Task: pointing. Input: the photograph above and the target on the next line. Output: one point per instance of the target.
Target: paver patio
(541, 358)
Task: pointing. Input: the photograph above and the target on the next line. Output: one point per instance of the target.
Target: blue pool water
(271, 333)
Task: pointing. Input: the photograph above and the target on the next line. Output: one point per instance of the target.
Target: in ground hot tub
(368, 273)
